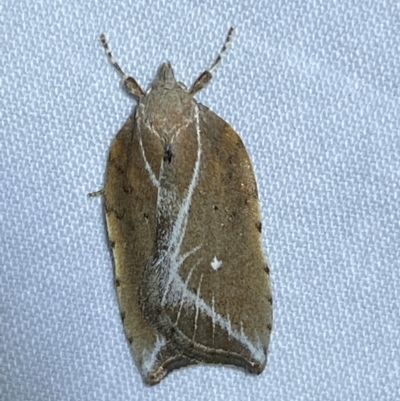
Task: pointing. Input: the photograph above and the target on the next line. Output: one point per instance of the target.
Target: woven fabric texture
(312, 87)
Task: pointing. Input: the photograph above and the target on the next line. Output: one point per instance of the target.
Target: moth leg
(205, 77)
(96, 194)
(129, 82)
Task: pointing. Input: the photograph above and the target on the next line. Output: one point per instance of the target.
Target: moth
(184, 225)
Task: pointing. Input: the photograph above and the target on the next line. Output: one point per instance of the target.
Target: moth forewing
(184, 225)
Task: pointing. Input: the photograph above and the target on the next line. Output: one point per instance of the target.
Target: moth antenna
(206, 76)
(227, 42)
(129, 82)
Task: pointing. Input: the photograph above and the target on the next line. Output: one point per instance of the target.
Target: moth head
(165, 77)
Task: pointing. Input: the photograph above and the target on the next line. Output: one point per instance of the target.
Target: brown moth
(184, 225)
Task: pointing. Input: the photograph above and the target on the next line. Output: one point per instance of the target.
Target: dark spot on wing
(168, 155)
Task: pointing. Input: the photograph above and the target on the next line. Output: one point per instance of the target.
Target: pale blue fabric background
(313, 88)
